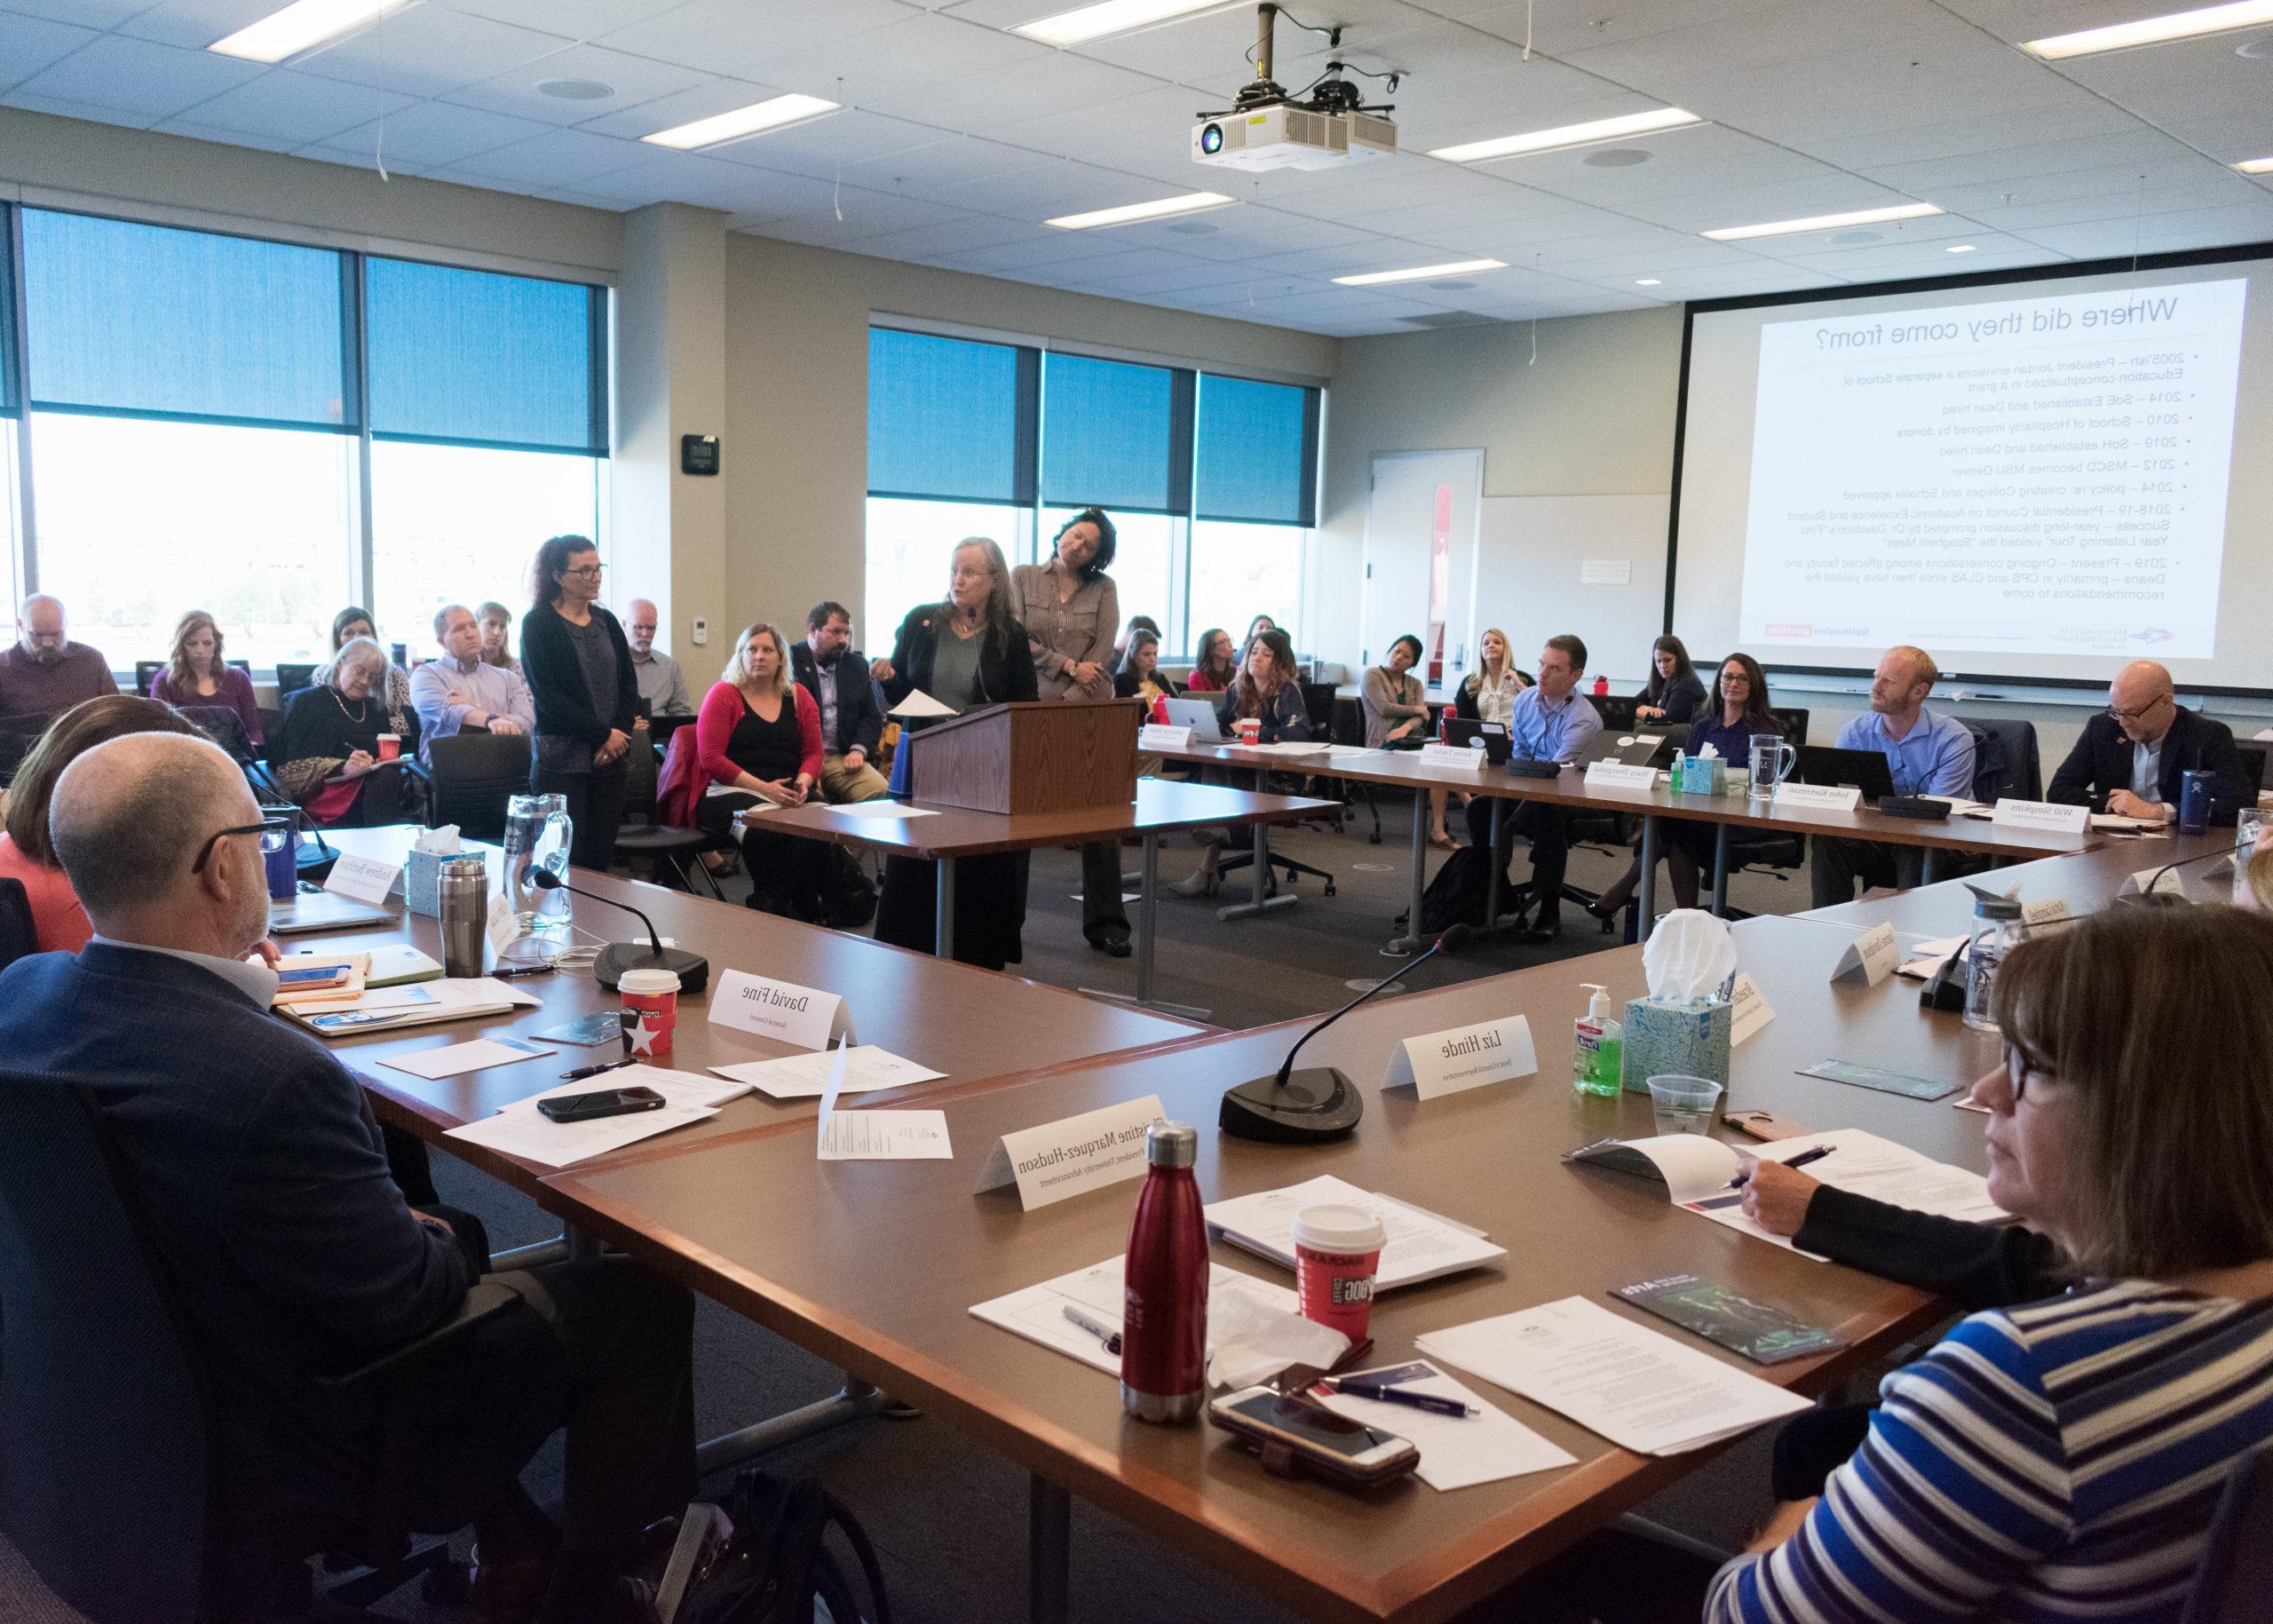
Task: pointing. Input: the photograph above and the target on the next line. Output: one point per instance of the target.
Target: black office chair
(2015, 750)
(17, 734)
(1616, 711)
(291, 678)
(661, 844)
(114, 1447)
(2234, 1584)
(145, 672)
(1345, 723)
(1291, 866)
(468, 778)
(2252, 765)
(18, 936)
(223, 726)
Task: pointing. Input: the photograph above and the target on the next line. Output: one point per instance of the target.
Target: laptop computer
(1490, 737)
(1199, 715)
(1633, 749)
(322, 910)
(1864, 769)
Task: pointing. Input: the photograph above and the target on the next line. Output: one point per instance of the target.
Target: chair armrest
(486, 1299)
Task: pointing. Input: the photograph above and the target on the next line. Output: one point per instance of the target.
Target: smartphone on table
(1321, 1442)
(599, 1103)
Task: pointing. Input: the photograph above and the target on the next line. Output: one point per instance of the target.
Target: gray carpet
(949, 1518)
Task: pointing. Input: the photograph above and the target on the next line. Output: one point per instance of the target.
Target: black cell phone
(599, 1103)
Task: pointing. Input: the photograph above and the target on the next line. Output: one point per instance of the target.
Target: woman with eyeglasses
(578, 666)
(326, 751)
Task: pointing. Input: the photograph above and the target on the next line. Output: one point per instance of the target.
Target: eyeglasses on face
(590, 572)
(2141, 713)
(205, 851)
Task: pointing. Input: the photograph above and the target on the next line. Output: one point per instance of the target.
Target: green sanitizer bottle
(1594, 1057)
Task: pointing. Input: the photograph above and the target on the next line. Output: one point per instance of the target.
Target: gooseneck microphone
(692, 969)
(2148, 894)
(1317, 1102)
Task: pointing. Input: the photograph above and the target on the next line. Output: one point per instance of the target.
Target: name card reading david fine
(800, 1015)
(1077, 1153)
(1463, 1058)
(1451, 756)
(1873, 954)
(1821, 797)
(2049, 815)
(1160, 736)
(1620, 775)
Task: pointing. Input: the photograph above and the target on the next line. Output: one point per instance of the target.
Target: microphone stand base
(692, 969)
(1316, 1103)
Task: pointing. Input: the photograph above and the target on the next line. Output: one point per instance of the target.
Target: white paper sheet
(866, 1068)
(1639, 1390)
(882, 809)
(681, 1088)
(919, 703)
(1420, 1245)
(456, 1059)
(875, 1136)
(1457, 1452)
(1038, 1312)
(536, 1137)
(1866, 1165)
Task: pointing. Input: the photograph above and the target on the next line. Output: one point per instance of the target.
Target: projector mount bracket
(1329, 92)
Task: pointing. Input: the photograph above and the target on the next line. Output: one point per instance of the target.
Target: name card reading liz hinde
(1072, 1155)
(2047, 815)
(1463, 1058)
(800, 1015)
(362, 879)
(1873, 952)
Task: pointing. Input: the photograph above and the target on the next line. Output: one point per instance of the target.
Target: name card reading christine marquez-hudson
(1160, 736)
(1459, 755)
(1463, 1058)
(799, 1015)
(2049, 815)
(362, 879)
(1824, 797)
(1074, 1154)
(1620, 775)
(1873, 952)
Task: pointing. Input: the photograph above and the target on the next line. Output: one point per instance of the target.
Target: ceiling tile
(193, 24)
(431, 134)
(287, 109)
(633, 79)
(29, 44)
(427, 51)
(556, 158)
(137, 78)
(99, 14)
(580, 19)
(824, 146)
(875, 47)
(997, 97)
(954, 160)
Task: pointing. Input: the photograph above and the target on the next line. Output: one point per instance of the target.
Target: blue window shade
(1115, 435)
(950, 419)
(475, 358)
(1258, 452)
(7, 314)
(149, 320)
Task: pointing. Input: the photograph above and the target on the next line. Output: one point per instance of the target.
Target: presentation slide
(2029, 480)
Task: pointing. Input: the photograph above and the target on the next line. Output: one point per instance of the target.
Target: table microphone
(692, 969)
(1317, 1102)
(2147, 894)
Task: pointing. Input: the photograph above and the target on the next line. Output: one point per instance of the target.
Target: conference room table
(940, 834)
(876, 1265)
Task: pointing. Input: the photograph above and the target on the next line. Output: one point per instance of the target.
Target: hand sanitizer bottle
(1594, 1057)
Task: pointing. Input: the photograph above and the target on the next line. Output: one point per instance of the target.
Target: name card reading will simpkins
(1072, 1155)
(2047, 815)
(1873, 952)
(1620, 775)
(1451, 756)
(1819, 797)
(800, 1015)
(1463, 1058)
(362, 879)
(1160, 736)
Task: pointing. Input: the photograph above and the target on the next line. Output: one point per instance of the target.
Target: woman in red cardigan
(757, 747)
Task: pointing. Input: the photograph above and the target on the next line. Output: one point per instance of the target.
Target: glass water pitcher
(537, 836)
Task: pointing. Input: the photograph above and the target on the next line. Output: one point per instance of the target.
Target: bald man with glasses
(2131, 758)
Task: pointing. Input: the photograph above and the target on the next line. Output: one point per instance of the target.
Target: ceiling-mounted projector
(1323, 126)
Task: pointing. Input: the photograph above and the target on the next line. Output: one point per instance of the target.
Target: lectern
(1031, 757)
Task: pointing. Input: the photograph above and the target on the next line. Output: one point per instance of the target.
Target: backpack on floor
(778, 1569)
(1459, 892)
(848, 897)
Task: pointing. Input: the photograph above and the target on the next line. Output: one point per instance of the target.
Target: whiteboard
(1530, 564)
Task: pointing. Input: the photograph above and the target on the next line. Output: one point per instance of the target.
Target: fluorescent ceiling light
(301, 27)
(1962, 247)
(2152, 30)
(752, 120)
(1189, 203)
(1822, 222)
(1649, 282)
(1421, 273)
(2255, 166)
(1089, 22)
(1569, 135)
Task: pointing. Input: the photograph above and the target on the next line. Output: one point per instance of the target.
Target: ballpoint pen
(583, 1072)
(1111, 1339)
(1430, 1402)
(1800, 1160)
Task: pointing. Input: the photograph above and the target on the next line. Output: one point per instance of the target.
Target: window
(1258, 452)
(474, 358)
(909, 546)
(10, 583)
(1144, 560)
(1115, 436)
(1242, 571)
(950, 420)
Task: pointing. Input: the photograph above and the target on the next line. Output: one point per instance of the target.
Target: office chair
(18, 935)
(117, 1478)
(17, 734)
(1345, 723)
(468, 778)
(2234, 1584)
(660, 843)
(2252, 765)
(145, 672)
(1292, 866)
(291, 678)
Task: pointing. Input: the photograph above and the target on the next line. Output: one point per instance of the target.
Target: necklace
(357, 716)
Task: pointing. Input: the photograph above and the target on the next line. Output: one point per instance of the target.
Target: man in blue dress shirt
(1927, 754)
(1552, 722)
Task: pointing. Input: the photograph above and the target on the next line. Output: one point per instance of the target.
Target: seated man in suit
(287, 1244)
(1925, 753)
(827, 667)
(2130, 757)
(1550, 721)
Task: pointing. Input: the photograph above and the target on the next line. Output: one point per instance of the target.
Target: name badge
(1463, 1058)
(362, 879)
(1826, 797)
(1873, 952)
(1459, 755)
(1074, 1154)
(1620, 775)
(2049, 815)
(1749, 1010)
(781, 1009)
(1160, 736)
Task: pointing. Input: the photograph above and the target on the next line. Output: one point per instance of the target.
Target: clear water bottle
(1998, 927)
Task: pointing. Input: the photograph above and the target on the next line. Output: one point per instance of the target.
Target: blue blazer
(255, 1155)
(860, 718)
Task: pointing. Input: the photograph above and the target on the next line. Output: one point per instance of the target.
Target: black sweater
(1980, 1265)
(1002, 676)
(564, 705)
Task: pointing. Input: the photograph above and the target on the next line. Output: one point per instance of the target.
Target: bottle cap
(1171, 1144)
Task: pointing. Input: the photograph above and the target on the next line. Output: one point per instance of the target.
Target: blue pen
(1406, 1396)
(1800, 1160)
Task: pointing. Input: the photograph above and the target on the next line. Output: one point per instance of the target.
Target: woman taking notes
(1391, 695)
(327, 755)
(196, 674)
(758, 740)
(578, 666)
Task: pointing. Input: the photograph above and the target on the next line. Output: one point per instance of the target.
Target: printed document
(1038, 1312)
(1421, 1245)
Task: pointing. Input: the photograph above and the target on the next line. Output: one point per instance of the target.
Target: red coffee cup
(389, 747)
(1248, 728)
(653, 996)
(1337, 1249)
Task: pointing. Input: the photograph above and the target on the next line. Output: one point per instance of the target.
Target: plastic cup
(652, 996)
(1684, 1104)
(1337, 1248)
(389, 747)
(1248, 728)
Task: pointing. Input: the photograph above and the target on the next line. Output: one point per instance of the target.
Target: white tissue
(439, 842)
(1709, 752)
(1251, 1342)
(1691, 955)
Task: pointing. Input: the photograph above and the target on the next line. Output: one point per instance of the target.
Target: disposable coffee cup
(1337, 1251)
(1683, 1104)
(1248, 728)
(389, 747)
(653, 996)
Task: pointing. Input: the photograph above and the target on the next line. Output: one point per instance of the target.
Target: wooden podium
(1032, 757)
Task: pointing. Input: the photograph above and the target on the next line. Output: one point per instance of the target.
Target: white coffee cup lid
(647, 982)
(1339, 1227)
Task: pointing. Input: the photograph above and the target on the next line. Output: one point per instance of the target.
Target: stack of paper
(1421, 1245)
(521, 1129)
(1641, 1390)
(1038, 1312)
(386, 1009)
(1456, 1451)
(866, 1068)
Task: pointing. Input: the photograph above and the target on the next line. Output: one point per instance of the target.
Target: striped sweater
(2056, 1462)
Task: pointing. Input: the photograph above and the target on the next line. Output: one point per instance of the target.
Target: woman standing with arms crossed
(965, 652)
(578, 667)
(1070, 609)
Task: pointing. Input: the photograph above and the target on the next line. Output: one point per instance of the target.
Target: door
(1420, 519)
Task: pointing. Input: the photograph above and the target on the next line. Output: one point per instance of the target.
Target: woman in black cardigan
(579, 670)
(965, 652)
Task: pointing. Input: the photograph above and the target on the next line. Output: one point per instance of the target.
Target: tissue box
(1689, 1035)
(422, 879)
(1701, 775)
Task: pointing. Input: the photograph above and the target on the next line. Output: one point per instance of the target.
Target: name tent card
(362, 879)
(1749, 1010)
(1463, 1058)
(1873, 954)
(1160, 736)
(800, 1015)
(2162, 881)
(1820, 797)
(505, 927)
(1073, 1155)
(2044, 912)
(1620, 775)
(1458, 755)
(2049, 815)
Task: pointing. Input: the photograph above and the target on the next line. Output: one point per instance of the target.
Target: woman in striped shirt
(2062, 1460)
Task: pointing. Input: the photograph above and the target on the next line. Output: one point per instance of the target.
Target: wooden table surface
(875, 1265)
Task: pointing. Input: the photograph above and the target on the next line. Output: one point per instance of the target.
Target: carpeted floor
(949, 1517)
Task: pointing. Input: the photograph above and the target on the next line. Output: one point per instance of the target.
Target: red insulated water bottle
(1161, 708)
(1602, 686)
(1164, 1285)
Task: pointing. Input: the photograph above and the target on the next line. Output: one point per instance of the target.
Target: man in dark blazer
(2131, 756)
(284, 1238)
(852, 721)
